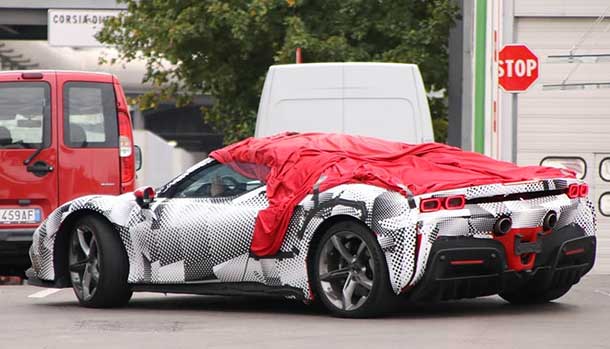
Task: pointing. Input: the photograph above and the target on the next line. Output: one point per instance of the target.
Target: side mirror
(138, 157)
(144, 196)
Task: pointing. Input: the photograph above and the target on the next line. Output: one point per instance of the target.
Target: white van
(383, 100)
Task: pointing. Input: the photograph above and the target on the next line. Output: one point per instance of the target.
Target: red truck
(63, 134)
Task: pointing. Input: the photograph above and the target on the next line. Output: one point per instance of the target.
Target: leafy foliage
(224, 47)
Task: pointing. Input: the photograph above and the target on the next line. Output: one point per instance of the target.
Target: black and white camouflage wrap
(182, 240)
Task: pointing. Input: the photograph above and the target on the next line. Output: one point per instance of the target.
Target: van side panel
(384, 100)
(380, 101)
(88, 153)
(303, 100)
(387, 118)
(263, 105)
(314, 115)
(422, 101)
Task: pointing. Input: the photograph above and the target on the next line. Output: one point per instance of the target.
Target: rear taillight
(128, 169)
(573, 191)
(430, 205)
(583, 190)
(124, 146)
(455, 202)
(578, 191)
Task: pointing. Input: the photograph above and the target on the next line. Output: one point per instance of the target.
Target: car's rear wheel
(529, 295)
(98, 264)
(350, 275)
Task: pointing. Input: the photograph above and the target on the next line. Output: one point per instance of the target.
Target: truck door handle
(40, 168)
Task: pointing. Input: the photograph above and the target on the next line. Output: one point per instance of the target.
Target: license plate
(19, 215)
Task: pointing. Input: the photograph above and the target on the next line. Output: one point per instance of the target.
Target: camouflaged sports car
(353, 222)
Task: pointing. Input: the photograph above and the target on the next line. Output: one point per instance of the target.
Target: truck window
(25, 115)
(574, 163)
(604, 169)
(604, 204)
(90, 118)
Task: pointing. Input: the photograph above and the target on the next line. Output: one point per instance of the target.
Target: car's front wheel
(98, 264)
(350, 275)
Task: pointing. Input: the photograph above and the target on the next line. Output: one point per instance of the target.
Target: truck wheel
(528, 296)
(350, 275)
(98, 264)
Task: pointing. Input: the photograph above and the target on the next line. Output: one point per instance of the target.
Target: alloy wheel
(84, 262)
(346, 270)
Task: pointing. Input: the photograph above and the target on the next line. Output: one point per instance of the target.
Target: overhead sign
(76, 28)
(517, 68)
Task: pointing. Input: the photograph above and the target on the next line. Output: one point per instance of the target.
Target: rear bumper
(14, 246)
(16, 235)
(468, 267)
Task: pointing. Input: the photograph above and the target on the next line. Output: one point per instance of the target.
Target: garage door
(569, 124)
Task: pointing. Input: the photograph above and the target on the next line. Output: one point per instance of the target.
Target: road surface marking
(605, 293)
(44, 293)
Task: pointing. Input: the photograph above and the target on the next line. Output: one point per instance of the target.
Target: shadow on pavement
(488, 306)
(226, 304)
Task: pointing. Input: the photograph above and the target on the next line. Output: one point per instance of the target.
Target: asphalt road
(580, 319)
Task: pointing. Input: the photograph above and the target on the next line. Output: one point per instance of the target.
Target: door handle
(40, 168)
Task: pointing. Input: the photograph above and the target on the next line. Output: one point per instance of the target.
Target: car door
(28, 152)
(202, 230)
(89, 138)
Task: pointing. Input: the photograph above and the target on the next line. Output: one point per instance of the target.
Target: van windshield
(24, 115)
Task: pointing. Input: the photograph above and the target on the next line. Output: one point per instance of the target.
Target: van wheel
(98, 264)
(350, 275)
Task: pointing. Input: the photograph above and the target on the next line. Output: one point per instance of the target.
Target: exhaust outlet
(503, 225)
(550, 220)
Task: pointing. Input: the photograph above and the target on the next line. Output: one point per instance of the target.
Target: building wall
(160, 161)
(575, 122)
(560, 8)
(567, 123)
(531, 126)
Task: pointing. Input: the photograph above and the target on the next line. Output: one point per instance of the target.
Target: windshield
(24, 115)
(210, 178)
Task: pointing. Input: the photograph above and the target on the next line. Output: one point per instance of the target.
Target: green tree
(224, 47)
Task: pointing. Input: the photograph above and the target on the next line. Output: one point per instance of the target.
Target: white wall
(560, 8)
(160, 161)
(67, 58)
(567, 122)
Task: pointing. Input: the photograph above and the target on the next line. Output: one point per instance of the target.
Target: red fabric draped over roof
(291, 164)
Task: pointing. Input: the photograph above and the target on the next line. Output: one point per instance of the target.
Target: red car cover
(290, 164)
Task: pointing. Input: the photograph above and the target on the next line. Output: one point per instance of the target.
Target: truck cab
(63, 134)
(383, 100)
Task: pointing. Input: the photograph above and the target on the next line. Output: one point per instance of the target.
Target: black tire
(110, 264)
(380, 293)
(527, 295)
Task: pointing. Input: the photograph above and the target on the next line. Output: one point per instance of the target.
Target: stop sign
(517, 68)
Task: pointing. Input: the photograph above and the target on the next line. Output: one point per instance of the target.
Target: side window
(604, 169)
(214, 181)
(90, 117)
(577, 164)
(25, 115)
